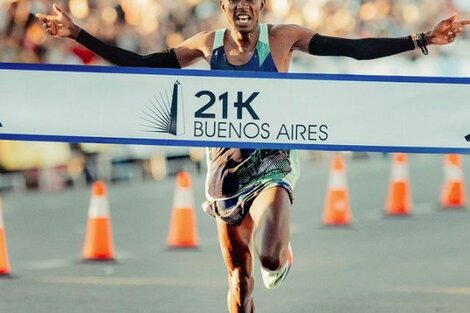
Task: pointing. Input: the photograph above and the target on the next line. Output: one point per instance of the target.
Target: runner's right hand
(59, 24)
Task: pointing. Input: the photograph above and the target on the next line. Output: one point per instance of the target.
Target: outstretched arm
(443, 33)
(61, 25)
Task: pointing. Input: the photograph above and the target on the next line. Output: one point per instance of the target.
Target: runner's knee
(241, 285)
(273, 259)
(270, 262)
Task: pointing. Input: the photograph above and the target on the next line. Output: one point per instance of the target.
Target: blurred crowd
(149, 25)
(146, 26)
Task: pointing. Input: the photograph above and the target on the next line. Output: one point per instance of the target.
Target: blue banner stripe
(233, 74)
(190, 143)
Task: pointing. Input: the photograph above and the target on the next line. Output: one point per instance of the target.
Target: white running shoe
(273, 279)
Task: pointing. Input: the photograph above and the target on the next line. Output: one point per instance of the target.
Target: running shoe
(273, 279)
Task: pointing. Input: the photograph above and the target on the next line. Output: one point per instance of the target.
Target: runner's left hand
(446, 31)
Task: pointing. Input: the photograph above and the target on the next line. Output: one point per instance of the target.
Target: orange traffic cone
(453, 191)
(399, 196)
(98, 238)
(337, 210)
(183, 230)
(4, 262)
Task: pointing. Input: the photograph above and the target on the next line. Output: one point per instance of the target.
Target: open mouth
(243, 19)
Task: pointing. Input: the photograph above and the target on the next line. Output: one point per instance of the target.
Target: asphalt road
(415, 264)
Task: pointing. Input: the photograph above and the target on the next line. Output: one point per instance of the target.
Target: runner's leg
(235, 243)
(271, 215)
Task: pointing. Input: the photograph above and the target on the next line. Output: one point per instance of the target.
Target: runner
(250, 191)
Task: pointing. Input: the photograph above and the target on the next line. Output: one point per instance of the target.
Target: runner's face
(242, 15)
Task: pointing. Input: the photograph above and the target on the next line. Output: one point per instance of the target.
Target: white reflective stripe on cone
(453, 172)
(337, 180)
(99, 207)
(2, 225)
(399, 172)
(183, 198)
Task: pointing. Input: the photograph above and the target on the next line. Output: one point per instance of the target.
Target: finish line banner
(234, 109)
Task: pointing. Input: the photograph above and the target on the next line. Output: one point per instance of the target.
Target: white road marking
(129, 281)
(433, 290)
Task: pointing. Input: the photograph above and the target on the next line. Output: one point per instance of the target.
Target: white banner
(238, 109)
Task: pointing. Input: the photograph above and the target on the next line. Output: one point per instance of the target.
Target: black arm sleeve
(359, 49)
(118, 56)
